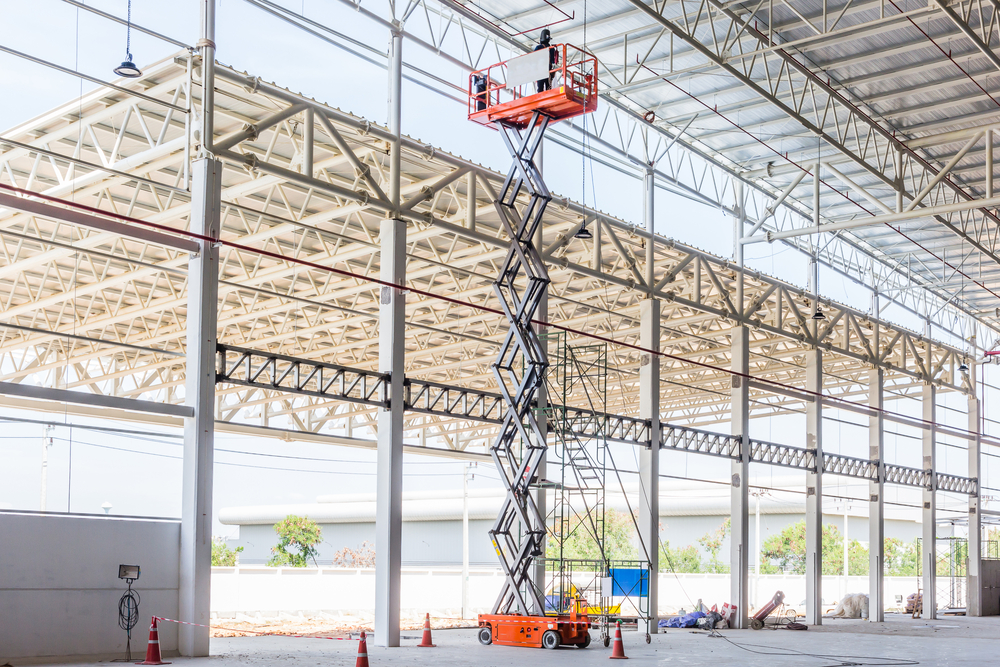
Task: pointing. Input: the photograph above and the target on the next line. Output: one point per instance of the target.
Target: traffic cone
(153, 647)
(426, 641)
(618, 649)
(362, 652)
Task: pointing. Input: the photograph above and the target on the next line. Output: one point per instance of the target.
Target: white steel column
(739, 565)
(392, 304)
(814, 491)
(975, 591)
(740, 490)
(649, 408)
(876, 498)
(649, 458)
(929, 518)
(199, 430)
(389, 482)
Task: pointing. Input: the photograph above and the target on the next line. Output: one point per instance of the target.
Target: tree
(222, 555)
(902, 559)
(579, 542)
(858, 562)
(682, 559)
(712, 542)
(298, 540)
(363, 556)
(786, 552)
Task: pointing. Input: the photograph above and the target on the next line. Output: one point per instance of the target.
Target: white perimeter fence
(268, 591)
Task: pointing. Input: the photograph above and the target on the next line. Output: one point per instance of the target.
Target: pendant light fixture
(128, 69)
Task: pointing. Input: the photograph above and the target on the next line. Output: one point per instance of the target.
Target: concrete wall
(269, 591)
(59, 586)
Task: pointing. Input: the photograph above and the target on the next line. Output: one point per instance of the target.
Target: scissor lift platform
(573, 92)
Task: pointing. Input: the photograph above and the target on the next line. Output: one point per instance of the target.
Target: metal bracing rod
(971, 34)
(131, 24)
(87, 77)
(915, 214)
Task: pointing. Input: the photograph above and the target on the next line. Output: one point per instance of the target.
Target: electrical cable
(447, 299)
(128, 617)
(843, 660)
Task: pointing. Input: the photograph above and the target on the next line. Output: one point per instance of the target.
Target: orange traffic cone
(618, 650)
(362, 652)
(426, 641)
(153, 647)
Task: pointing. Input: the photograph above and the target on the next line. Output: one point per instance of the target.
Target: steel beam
(92, 221)
(81, 398)
(649, 457)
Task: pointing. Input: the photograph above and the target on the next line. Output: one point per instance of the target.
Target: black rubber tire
(607, 641)
(586, 641)
(485, 636)
(756, 624)
(648, 638)
(551, 639)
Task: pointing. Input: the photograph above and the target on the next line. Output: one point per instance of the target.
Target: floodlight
(129, 572)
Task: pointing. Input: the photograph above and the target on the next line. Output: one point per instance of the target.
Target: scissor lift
(522, 114)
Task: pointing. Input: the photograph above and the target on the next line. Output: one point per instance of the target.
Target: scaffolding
(604, 588)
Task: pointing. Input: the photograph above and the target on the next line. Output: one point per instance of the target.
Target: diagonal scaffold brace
(519, 532)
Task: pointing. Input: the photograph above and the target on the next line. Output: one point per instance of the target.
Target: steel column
(389, 480)
(876, 499)
(649, 458)
(207, 46)
(814, 492)
(975, 591)
(391, 360)
(199, 430)
(740, 490)
(929, 512)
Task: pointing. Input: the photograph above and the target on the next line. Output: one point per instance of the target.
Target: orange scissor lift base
(517, 630)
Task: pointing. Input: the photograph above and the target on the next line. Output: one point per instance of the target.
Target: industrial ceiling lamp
(963, 367)
(818, 315)
(584, 233)
(128, 69)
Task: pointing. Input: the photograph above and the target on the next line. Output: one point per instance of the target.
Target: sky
(139, 473)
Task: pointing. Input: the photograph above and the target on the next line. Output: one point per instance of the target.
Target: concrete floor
(899, 641)
(950, 641)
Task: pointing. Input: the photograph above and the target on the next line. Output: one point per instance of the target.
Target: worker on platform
(545, 42)
(479, 91)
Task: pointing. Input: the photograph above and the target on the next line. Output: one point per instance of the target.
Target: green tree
(579, 542)
(222, 555)
(902, 559)
(298, 538)
(712, 543)
(857, 559)
(681, 559)
(786, 552)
